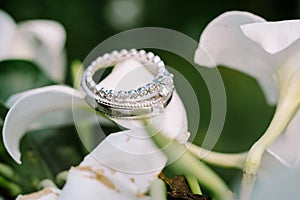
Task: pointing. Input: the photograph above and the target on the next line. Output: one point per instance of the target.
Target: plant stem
(193, 184)
(76, 71)
(158, 190)
(6, 171)
(61, 178)
(287, 106)
(185, 163)
(11, 187)
(226, 160)
(47, 183)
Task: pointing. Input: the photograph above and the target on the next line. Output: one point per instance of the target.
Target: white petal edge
(273, 37)
(286, 147)
(52, 37)
(271, 175)
(8, 27)
(51, 33)
(225, 43)
(129, 164)
(45, 194)
(39, 40)
(62, 117)
(83, 184)
(131, 74)
(30, 107)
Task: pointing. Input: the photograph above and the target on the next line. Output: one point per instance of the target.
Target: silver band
(144, 101)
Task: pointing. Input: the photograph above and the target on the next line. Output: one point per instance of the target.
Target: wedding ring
(141, 102)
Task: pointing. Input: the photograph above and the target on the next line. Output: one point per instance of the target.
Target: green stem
(47, 183)
(76, 71)
(6, 171)
(61, 178)
(158, 190)
(287, 107)
(193, 184)
(11, 187)
(226, 160)
(185, 163)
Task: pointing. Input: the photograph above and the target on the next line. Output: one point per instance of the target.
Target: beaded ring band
(142, 102)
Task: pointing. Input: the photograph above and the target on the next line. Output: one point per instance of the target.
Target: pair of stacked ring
(142, 102)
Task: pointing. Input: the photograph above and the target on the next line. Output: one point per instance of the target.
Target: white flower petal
(45, 194)
(34, 105)
(121, 167)
(132, 74)
(51, 38)
(123, 151)
(86, 183)
(62, 117)
(275, 181)
(227, 45)
(273, 37)
(286, 147)
(8, 28)
(50, 33)
(41, 41)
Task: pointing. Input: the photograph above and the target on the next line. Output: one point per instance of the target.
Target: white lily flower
(268, 51)
(41, 41)
(124, 164)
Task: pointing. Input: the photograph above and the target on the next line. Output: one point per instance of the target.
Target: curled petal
(35, 104)
(226, 44)
(273, 37)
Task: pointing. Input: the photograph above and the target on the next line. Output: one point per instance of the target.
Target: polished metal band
(142, 102)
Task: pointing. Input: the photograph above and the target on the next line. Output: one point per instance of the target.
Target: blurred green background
(88, 23)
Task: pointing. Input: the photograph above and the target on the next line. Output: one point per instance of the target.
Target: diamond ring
(142, 102)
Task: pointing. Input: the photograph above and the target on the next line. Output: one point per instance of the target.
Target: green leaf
(20, 75)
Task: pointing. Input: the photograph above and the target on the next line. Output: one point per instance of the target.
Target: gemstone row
(161, 87)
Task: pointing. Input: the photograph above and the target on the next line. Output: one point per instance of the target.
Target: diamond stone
(166, 80)
(165, 90)
(111, 95)
(151, 87)
(102, 92)
(142, 91)
(122, 95)
(132, 94)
